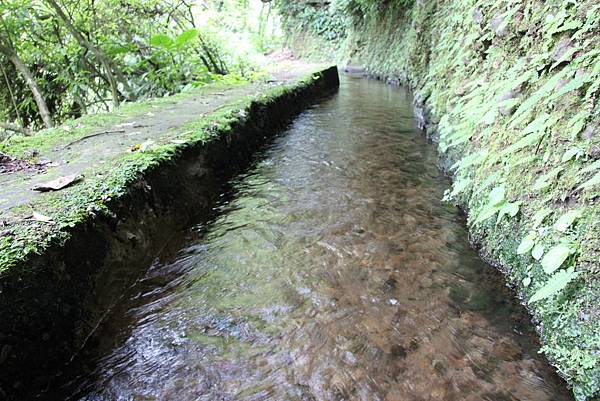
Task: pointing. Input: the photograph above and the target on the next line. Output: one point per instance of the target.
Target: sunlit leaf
(545, 180)
(594, 166)
(459, 186)
(595, 180)
(524, 142)
(508, 209)
(574, 84)
(496, 195)
(570, 153)
(540, 215)
(567, 219)
(556, 283)
(527, 243)
(555, 257)
(487, 212)
(537, 252)
(185, 37)
(161, 40)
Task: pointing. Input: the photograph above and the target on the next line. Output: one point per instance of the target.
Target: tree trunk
(109, 66)
(10, 92)
(14, 58)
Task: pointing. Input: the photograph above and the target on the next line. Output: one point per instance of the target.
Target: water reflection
(332, 272)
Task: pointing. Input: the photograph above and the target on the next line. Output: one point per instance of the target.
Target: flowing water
(330, 270)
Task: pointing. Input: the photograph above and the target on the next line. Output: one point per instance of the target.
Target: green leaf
(511, 208)
(540, 215)
(496, 196)
(555, 257)
(495, 203)
(556, 283)
(577, 123)
(595, 180)
(570, 153)
(508, 209)
(567, 219)
(576, 128)
(574, 84)
(459, 186)
(594, 166)
(117, 49)
(537, 125)
(161, 40)
(487, 212)
(541, 183)
(185, 37)
(566, 56)
(489, 117)
(541, 93)
(527, 243)
(524, 142)
(527, 281)
(544, 181)
(470, 160)
(537, 252)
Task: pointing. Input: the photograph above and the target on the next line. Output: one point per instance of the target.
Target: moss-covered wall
(511, 93)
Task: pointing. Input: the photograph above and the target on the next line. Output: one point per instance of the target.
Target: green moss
(25, 147)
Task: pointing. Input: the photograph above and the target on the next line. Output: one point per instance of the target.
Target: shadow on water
(330, 270)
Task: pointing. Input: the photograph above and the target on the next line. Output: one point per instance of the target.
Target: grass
(25, 147)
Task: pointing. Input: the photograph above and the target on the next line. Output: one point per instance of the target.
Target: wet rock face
(590, 132)
(594, 152)
(505, 107)
(499, 26)
(561, 48)
(478, 16)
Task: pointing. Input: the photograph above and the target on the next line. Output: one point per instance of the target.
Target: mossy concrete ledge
(58, 286)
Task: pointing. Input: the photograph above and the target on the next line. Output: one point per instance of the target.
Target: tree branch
(15, 128)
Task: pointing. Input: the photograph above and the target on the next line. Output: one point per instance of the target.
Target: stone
(561, 48)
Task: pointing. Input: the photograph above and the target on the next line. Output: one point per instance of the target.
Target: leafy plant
(538, 251)
(555, 257)
(177, 43)
(556, 283)
(565, 221)
(527, 243)
(497, 204)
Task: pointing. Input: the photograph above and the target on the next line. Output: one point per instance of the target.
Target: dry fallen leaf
(145, 146)
(58, 184)
(40, 217)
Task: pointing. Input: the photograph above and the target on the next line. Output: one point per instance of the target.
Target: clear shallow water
(330, 270)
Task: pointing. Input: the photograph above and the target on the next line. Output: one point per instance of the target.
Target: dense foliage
(64, 58)
(513, 93)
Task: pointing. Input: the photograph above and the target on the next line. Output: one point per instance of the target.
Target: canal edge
(56, 298)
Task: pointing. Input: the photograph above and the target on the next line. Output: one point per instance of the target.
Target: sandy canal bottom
(330, 270)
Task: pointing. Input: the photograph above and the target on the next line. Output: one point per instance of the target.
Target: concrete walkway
(103, 145)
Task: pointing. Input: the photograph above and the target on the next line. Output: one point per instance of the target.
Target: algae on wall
(512, 91)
